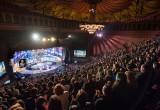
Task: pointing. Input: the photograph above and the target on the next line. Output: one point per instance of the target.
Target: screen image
(80, 53)
(37, 60)
(2, 69)
(22, 63)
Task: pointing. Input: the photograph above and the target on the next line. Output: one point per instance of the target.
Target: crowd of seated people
(120, 81)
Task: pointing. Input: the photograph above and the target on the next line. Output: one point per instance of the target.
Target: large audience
(120, 80)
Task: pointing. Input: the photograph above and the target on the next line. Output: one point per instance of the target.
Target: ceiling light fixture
(92, 28)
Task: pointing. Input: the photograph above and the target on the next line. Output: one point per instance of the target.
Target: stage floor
(40, 68)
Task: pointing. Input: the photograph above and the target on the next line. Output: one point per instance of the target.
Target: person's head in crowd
(73, 80)
(129, 67)
(109, 76)
(1, 93)
(16, 106)
(50, 84)
(120, 77)
(100, 69)
(159, 59)
(123, 64)
(34, 92)
(141, 59)
(21, 102)
(56, 80)
(3, 106)
(110, 72)
(148, 59)
(41, 103)
(30, 86)
(106, 90)
(122, 69)
(52, 78)
(154, 58)
(116, 66)
(89, 76)
(63, 82)
(44, 85)
(83, 77)
(13, 100)
(16, 92)
(81, 97)
(136, 58)
(130, 78)
(144, 68)
(121, 80)
(58, 89)
(45, 94)
(65, 76)
(54, 104)
(1, 99)
(101, 75)
(156, 66)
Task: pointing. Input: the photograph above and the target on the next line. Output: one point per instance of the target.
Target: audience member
(55, 103)
(62, 95)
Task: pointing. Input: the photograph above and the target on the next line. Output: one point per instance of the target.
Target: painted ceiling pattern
(106, 10)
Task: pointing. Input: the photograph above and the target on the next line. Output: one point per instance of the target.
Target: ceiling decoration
(92, 28)
(106, 10)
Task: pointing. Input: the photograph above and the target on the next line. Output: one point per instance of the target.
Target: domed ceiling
(105, 10)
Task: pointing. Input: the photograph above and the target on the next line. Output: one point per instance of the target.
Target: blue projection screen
(2, 69)
(37, 60)
(80, 53)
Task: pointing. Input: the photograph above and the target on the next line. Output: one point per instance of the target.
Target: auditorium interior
(79, 54)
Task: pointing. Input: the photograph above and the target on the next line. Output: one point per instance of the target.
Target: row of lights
(36, 37)
(49, 39)
(99, 35)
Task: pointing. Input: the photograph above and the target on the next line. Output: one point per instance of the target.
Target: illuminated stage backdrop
(2, 69)
(37, 61)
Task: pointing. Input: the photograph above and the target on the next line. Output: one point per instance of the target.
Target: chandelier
(92, 28)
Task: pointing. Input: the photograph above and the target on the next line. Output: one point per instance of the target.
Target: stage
(39, 67)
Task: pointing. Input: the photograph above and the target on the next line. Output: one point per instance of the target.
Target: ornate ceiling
(106, 10)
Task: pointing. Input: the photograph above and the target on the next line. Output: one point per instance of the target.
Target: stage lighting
(53, 39)
(44, 39)
(35, 36)
(48, 39)
(99, 35)
(69, 36)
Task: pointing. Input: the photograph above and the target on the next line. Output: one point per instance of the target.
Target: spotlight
(48, 39)
(35, 36)
(99, 35)
(53, 39)
(69, 36)
(44, 39)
